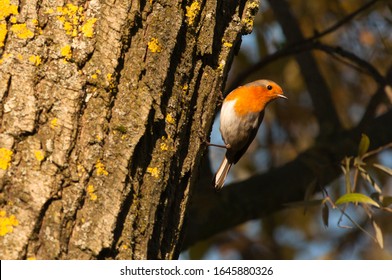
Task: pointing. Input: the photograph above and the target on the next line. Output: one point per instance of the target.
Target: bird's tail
(221, 174)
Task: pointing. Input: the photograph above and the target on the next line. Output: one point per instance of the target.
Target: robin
(241, 115)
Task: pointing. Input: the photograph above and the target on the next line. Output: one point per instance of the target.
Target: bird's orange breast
(248, 99)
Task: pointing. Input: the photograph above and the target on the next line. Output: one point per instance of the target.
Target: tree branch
(359, 62)
(376, 100)
(324, 108)
(340, 23)
(298, 47)
(365, 67)
(266, 193)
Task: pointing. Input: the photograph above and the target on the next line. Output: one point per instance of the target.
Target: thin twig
(357, 225)
(356, 173)
(376, 99)
(343, 212)
(376, 151)
(359, 62)
(342, 22)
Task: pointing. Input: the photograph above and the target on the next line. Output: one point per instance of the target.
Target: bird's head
(255, 96)
(268, 89)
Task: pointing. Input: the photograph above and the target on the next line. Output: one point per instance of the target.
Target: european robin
(241, 115)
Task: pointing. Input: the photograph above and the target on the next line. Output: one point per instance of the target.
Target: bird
(241, 115)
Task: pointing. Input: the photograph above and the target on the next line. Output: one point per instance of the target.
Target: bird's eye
(269, 87)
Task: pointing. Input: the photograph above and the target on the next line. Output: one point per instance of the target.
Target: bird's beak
(282, 96)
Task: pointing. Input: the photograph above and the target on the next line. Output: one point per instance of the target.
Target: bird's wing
(234, 157)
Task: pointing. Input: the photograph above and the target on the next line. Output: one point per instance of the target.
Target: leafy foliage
(376, 199)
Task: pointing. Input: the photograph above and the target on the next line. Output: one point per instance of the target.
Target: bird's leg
(227, 146)
(203, 138)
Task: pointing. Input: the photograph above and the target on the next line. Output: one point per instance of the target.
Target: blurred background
(290, 127)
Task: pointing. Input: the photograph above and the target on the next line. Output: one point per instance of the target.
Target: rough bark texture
(104, 110)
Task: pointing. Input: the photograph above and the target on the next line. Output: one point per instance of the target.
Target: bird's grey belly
(236, 131)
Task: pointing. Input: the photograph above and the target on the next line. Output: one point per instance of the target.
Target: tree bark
(105, 106)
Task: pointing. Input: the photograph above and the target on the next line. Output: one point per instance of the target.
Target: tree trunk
(105, 106)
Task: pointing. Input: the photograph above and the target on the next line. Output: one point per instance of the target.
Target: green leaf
(356, 198)
(346, 170)
(383, 168)
(363, 145)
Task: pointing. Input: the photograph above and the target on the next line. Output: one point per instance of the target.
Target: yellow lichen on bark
(154, 45)
(3, 33)
(21, 31)
(100, 167)
(7, 223)
(66, 52)
(6, 9)
(72, 17)
(192, 11)
(88, 28)
(5, 158)
(35, 60)
(166, 144)
(153, 171)
(169, 119)
(91, 192)
(226, 44)
(39, 155)
(54, 123)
